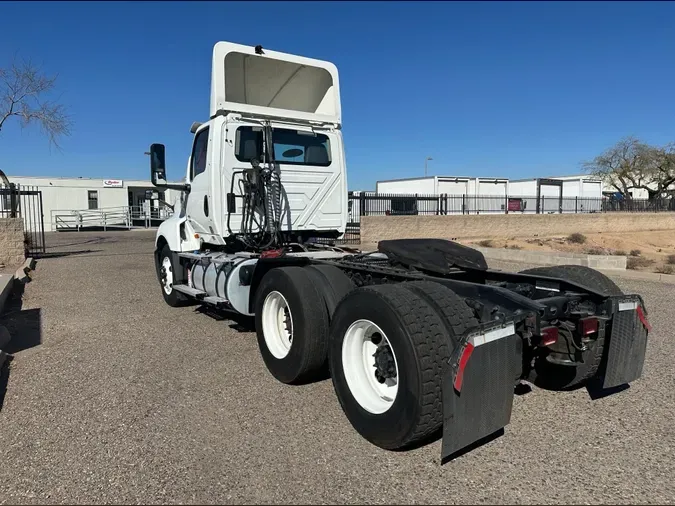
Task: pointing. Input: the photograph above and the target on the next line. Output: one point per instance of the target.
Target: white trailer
(419, 336)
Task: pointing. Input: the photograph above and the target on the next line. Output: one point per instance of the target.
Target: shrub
(576, 238)
(487, 243)
(619, 252)
(637, 262)
(670, 259)
(665, 269)
(635, 252)
(595, 251)
(515, 246)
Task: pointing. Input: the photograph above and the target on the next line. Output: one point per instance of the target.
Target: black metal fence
(25, 202)
(380, 204)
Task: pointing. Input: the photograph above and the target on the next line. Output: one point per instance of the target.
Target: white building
(488, 195)
(69, 202)
(450, 185)
(577, 193)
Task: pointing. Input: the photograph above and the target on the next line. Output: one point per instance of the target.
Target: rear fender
(626, 344)
(478, 386)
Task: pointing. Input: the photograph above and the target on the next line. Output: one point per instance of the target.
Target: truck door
(199, 208)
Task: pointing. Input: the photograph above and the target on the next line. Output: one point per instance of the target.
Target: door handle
(206, 205)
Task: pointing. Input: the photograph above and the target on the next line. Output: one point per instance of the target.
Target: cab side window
(199, 153)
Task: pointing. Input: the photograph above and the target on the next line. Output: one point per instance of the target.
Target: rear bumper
(479, 379)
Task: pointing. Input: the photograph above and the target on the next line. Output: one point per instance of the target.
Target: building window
(92, 196)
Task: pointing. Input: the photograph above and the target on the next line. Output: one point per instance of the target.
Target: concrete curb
(6, 287)
(8, 283)
(641, 275)
(601, 262)
(22, 272)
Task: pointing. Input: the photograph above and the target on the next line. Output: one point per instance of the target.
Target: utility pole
(425, 165)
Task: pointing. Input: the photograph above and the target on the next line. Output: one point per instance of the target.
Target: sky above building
(503, 89)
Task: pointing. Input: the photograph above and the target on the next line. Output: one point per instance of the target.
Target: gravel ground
(118, 398)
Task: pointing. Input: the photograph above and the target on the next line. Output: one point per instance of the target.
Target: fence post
(463, 203)
(12, 200)
(576, 203)
(506, 204)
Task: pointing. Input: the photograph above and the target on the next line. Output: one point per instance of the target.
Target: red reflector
(466, 354)
(643, 318)
(272, 253)
(588, 326)
(549, 335)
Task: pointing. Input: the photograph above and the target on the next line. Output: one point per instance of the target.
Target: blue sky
(487, 89)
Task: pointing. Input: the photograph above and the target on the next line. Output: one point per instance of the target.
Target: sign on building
(113, 183)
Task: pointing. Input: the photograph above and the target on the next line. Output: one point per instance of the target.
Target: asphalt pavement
(115, 397)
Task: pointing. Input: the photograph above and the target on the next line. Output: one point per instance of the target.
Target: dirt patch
(651, 251)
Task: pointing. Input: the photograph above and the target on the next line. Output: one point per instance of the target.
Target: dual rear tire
(385, 346)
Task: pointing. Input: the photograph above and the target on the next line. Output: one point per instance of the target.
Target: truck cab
(255, 91)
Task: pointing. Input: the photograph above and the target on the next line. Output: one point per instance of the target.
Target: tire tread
(427, 333)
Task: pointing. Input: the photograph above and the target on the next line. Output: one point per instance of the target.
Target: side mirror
(157, 165)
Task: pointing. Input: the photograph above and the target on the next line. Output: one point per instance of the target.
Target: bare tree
(24, 94)
(624, 166)
(659, 173)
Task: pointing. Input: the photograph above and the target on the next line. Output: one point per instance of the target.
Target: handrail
(114, 217)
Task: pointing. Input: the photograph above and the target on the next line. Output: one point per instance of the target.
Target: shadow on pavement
(66, 253)
(240, 323)
(596, 392)
(22, 329)
(4, 378)
(93, 240)
(24, 325)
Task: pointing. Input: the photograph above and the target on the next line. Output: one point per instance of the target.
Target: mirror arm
(179, 187)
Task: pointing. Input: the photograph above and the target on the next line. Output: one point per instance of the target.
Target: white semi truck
(420, 337)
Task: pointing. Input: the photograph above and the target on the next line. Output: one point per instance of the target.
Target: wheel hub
(277, 324)
(370, 366)
(385, 367)
(288, 324)
(166, 275)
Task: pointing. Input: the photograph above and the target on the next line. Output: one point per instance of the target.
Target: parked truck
(420, 337)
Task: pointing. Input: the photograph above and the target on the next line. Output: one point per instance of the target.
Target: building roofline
(81, 178)
(441, 177)
(405, 179)
(562, 178)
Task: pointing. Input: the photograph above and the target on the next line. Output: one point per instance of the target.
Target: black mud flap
(478, 387)
(625, 351)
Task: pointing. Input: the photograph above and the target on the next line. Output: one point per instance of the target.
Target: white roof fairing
(273, 84)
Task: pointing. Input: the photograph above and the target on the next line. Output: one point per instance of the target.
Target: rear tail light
(549, 335)
(588, 326)
(643, 318)
(466, 354)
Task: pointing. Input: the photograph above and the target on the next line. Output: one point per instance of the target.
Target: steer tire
(561, 377)
(308, 320)
(174, 298)
(415, 333)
